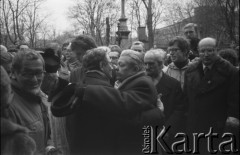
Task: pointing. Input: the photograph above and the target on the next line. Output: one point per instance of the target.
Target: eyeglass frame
(31, 75)
(174, 50)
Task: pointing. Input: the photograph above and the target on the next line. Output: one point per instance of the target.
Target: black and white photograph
(119, 77)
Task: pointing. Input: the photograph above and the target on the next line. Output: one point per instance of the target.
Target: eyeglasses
(113, 58)
(29, 75)
(189, 32)
(174, 50)
(207, 50)
(138, 51)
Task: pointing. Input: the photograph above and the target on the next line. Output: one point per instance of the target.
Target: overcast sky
(58, 13)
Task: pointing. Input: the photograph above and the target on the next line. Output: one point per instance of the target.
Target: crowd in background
(80, 98)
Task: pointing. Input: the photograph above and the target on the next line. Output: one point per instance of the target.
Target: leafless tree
(33, 21)
(21, 20)
(149, 22)
(230, 11)
(157, 10)
(212, 20)
(175, 13)
(91, 16)
(136, 10)
(146, 13)
(13, 17)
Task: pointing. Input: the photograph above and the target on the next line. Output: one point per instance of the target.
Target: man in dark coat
(212, 88)
(168, 88)
(113, 117)
(88, 131)
(170, 93)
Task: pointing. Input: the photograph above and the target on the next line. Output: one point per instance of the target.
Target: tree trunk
(107, 31)
(150, 24)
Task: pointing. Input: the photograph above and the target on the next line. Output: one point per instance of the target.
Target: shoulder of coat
(193, 66)
(224, 67)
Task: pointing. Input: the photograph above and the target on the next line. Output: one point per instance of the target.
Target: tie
(206, 70)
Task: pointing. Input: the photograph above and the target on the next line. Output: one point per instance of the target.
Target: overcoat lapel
(204, 84)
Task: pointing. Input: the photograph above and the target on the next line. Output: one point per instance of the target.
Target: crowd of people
(80, 98)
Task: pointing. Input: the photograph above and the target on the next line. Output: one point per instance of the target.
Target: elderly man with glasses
(27, 107)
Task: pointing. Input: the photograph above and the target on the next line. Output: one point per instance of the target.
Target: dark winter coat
(173, 102)
(111, 119)
(213, 97)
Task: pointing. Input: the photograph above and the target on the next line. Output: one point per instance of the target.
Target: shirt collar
(209, 66)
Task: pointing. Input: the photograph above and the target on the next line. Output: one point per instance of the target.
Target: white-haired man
(130, 104)
(169, 90)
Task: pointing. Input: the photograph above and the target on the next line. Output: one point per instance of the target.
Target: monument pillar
(123, 32)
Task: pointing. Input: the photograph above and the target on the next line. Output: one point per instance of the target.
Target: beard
(152, 74)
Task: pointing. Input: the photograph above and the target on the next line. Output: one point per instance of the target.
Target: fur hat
(62, 102)
(67, 101)
(52, 62)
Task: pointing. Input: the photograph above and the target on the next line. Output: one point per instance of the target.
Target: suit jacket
(213, 97)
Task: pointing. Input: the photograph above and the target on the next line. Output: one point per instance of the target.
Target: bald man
(211, 85)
